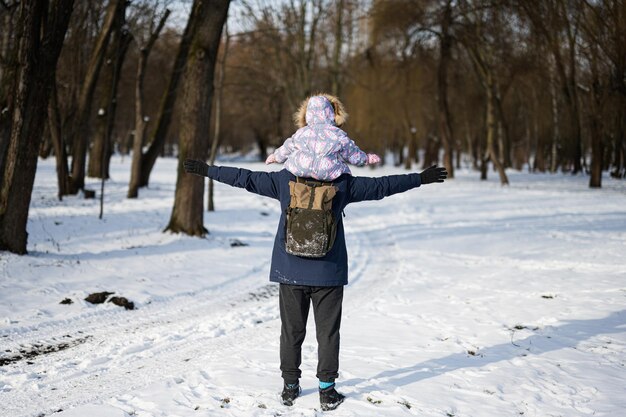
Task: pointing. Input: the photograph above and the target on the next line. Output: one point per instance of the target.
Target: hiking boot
(330, 398)
(290, 393)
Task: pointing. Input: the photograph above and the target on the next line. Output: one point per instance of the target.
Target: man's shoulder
(282, 175)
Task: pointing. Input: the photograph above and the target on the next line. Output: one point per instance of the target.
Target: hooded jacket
(320, 150)
(332, 269)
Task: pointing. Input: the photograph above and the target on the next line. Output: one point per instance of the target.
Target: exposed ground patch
(38, 349)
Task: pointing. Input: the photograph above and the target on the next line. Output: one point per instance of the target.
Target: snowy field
(466, 299)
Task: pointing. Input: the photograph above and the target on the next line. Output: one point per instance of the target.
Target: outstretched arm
(282, 152)
(352, 154)
(365, 188)
(262, 183)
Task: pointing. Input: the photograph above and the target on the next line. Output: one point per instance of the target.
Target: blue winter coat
(332, 269)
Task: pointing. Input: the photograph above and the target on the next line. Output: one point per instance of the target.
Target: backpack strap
(312, 198)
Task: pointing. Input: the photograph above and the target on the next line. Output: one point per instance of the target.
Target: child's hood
(320, 109)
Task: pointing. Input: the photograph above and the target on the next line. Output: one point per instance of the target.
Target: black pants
(294, 303)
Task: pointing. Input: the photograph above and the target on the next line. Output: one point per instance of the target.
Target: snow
(465, 299)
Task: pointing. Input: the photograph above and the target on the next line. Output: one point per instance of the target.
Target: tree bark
(7, 83)
(218, 118)
(445, 125)
(597, 152)
(99, 159)
(411, 149)
(595, 122)
(141, 119)
(44, 26)
(481, 58)
(619, 156)
(539, 163)
(491, 130)
(60, 154)
(336, 62)
(187, 213)
(542, 19)
(79, 133)
(504, 139)
(555, 125)
(148, 159)
(573, 95)
(431, 151)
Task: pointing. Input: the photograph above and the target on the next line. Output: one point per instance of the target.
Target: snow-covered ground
(466, 299)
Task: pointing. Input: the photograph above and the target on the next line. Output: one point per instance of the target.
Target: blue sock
(324, 385)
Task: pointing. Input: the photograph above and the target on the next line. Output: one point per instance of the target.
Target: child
(320, 149)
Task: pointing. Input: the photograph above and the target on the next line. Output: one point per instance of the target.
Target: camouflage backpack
(311, 227)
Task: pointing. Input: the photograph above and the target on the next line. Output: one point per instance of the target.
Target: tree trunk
(445, 125)
(60, 154)
(504, 139)
(540, 17)
(141, 120)
(187, 213)
(431, 152)
(261, 140)
(44, 26)
(218, 118)
(539, 161)
(140, 127)
(491, 130)
(595, 123)
(399, 152)
(481, 59)
(336, 63)
(619, 157)
(574, 103)
(46, 145)
(411, 150)
(98, 166)
(597, 152)
(7, 84)
(555, 125)
(79, 134)
(148, 159)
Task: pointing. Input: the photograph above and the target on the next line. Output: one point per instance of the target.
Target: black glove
(433, 174)
(196, 167)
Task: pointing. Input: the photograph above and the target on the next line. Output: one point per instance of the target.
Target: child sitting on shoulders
(320, 149)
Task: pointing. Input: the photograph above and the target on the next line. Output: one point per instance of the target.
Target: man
(305, 280)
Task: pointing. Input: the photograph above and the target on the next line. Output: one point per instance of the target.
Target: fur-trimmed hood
(320, 108)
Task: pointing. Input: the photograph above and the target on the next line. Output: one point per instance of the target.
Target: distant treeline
(537, 85)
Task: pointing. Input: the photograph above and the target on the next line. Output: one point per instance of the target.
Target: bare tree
(141, 120)
(445, 123)
(157, 139)
(8, 66)
(54, 127)
(79, 133)
(219, 86)
(99, 153)
(558, 24)
(337, 45)
(187, 214)
(476, 40)
(604, 33)
(44, 26)
(416, 23)
(293, 31)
